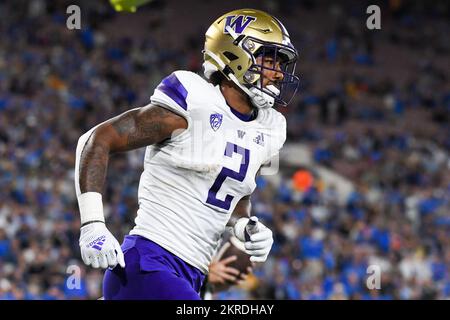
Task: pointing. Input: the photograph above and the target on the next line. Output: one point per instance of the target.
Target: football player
(206, 139)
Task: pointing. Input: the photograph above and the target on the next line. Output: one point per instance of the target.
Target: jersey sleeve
(173, 93)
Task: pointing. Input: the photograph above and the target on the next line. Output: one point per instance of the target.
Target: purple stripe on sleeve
(173, 88)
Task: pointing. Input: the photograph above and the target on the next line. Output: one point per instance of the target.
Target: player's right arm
(133, 129)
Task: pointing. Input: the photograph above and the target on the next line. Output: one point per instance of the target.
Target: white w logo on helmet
(237, 23)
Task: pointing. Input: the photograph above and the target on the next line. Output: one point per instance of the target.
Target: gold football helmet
(233, 43)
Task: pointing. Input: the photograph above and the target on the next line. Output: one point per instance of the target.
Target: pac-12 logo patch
(215, 120)
(238, 23)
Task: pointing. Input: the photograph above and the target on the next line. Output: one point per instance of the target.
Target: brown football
(235, 247)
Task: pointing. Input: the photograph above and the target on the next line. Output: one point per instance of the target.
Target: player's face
(273, 75)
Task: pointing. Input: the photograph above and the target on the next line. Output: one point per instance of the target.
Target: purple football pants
(151, 273)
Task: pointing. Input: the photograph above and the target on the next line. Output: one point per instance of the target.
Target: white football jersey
(192, 182)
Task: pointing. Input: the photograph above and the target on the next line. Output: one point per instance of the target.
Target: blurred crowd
(373, 107)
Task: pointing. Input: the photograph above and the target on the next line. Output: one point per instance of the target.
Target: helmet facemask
(285, 55)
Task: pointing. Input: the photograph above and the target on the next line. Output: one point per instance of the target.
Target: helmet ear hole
(230, 56)
(239, 67)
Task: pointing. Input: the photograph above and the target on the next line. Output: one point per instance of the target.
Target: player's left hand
(260, 244)
(99, 248)
(220, 272)
(244, 276)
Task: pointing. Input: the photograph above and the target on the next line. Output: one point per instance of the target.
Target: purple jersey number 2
(228, 173)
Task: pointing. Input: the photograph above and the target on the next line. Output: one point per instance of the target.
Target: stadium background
(370, 124)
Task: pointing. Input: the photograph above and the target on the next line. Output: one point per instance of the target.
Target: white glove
(99, 248)
(260, 241)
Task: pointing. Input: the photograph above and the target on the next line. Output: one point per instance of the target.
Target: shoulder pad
(175, 90)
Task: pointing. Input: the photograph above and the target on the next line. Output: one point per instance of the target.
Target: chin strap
(261, 99)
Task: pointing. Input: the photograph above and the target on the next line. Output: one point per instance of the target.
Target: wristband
(93, 221)
(91, 207)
